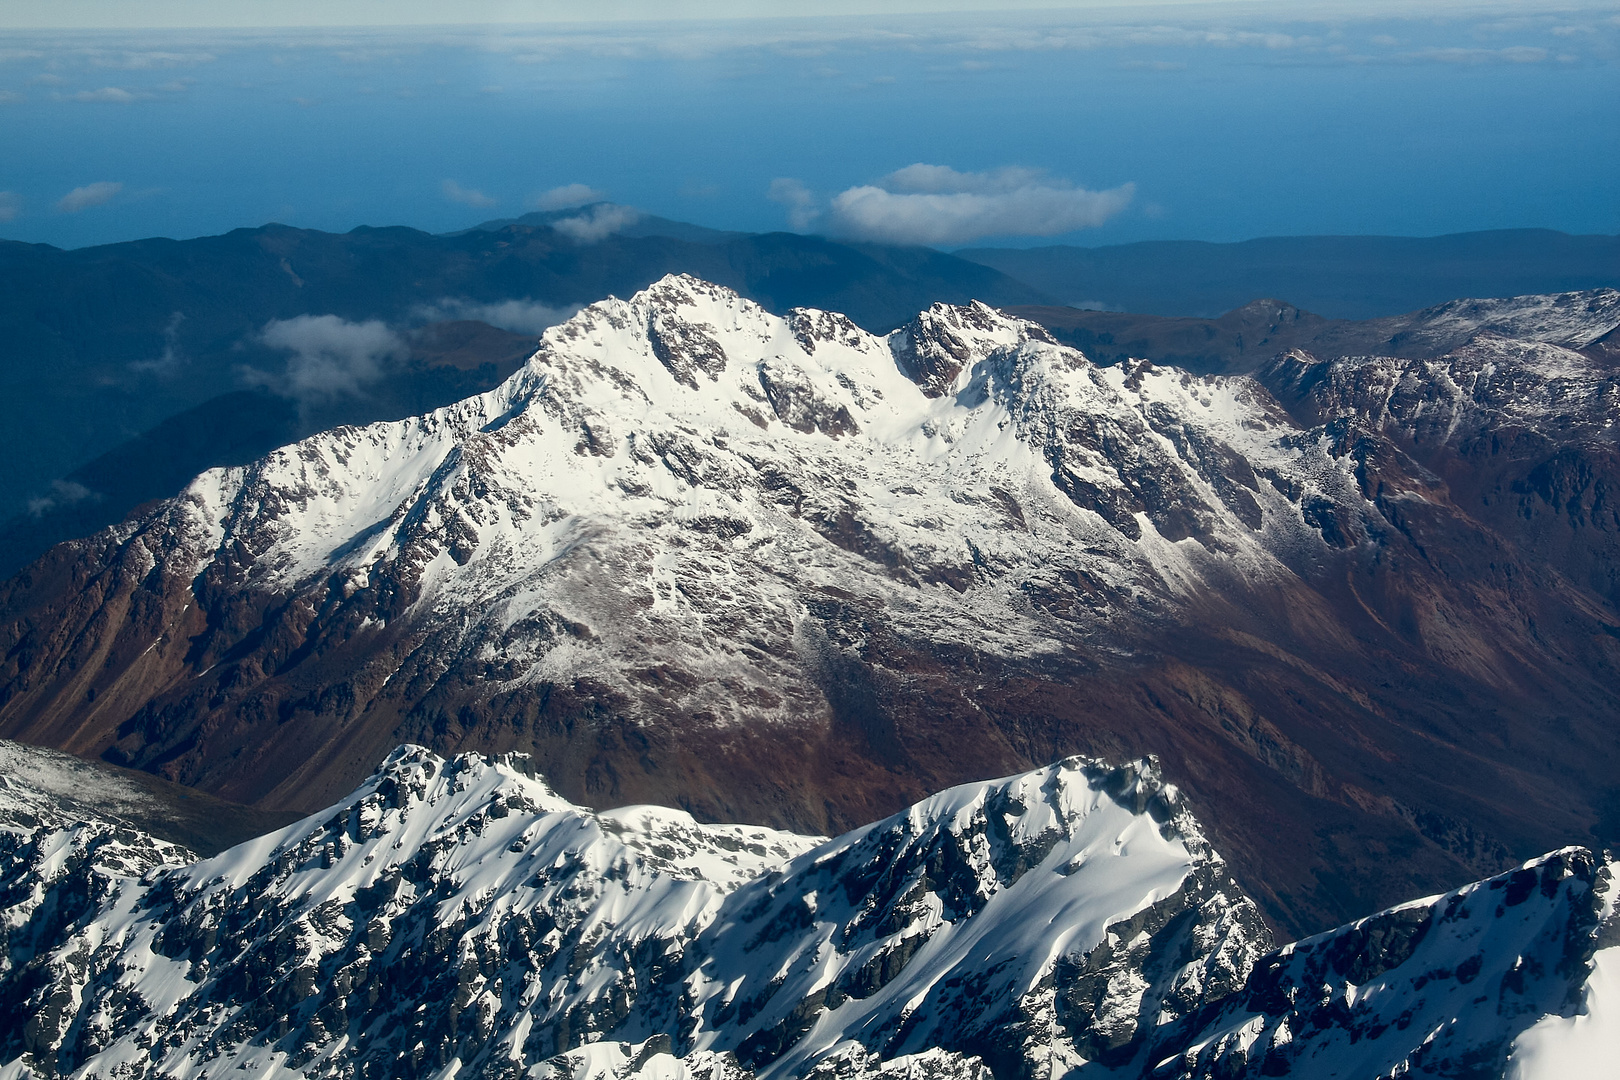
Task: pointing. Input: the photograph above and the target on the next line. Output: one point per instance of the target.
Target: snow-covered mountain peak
(418, 805)
(941, 344)
(1572, 320)
(687, 401)
(1059, 801)
(657, 500)
(434, 880)
(1441, 986)
(814, 372)
(692, 353)
(992, 892)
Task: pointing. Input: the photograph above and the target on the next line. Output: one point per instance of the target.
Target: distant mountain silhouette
(130, 367)
(1342, 277)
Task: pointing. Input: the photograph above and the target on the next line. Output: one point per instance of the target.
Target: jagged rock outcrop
(1037, 923)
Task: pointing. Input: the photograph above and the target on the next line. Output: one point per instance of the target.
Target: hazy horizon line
(30, 15)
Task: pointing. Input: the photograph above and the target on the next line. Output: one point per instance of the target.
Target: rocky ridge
(1446, 986)
(456, 918)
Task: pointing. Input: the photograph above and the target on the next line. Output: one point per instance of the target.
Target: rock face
(783, 570)
(410, 925)
(457, 919)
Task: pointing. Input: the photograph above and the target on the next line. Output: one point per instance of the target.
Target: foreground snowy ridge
(1444, 986)
(456, 918)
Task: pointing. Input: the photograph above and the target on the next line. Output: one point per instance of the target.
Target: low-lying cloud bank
(937, 205)
(331, 356)
(597, 222)
(518, 316)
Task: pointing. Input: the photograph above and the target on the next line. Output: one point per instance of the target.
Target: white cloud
(148, 59)
(802, 210)
(467, 196)
(561, 198)
(921, 179)
(518, 316)
(82, 198)
(10, 205)
(10, 97)
(596, 223)
(1516, 54)
(169, 361)
(331, 356)
(935, 204)
(63, 493)
(114, 95)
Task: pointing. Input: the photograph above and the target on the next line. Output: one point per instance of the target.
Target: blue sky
(1083, 125)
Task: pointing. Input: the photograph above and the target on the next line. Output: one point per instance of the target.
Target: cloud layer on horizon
(1093, 95)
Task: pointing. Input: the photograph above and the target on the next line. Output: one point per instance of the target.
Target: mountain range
(780, 569)
(1342, 277)
(457, 918)
(132, 367)
(1268, 615)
